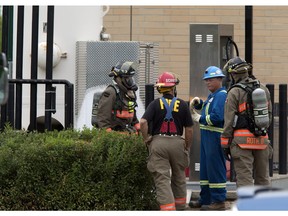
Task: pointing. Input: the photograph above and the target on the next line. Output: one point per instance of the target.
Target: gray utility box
(207, 48)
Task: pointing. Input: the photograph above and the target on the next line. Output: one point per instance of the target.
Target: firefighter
(162, 126)
(250, 153)
(212, 160)
(116, 109)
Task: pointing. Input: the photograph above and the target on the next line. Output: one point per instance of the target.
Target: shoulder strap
(168, 108)
(116, 88)
(247, 88)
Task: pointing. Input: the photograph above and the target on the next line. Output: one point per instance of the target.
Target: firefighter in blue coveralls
(212, 160)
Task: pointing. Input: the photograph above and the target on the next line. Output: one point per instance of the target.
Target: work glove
(194, 102)
(195, 115)
(227, 153)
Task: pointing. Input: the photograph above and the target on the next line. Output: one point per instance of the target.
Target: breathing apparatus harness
(256, 117)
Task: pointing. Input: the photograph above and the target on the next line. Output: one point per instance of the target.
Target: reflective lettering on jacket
(175, 107)
(247, 140)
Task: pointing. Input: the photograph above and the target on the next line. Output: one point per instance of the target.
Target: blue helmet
(212, 72)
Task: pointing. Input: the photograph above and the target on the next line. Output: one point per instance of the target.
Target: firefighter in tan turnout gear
(248, 113)
(116, 109)
(162, 127)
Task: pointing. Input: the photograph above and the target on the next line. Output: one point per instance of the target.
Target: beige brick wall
(169, 26)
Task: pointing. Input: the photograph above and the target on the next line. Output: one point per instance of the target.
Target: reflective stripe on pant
(165, 154)
(168, 207)
(212, 168)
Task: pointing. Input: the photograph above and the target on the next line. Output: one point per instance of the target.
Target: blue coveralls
(212, 161)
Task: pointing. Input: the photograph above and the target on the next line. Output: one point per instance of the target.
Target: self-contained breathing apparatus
(256, 117)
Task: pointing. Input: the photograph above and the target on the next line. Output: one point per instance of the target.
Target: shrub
(74, 170)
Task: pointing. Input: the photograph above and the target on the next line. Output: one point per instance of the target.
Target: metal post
(11, 103)
(49, 66)
(4, 50)
(19, 65)
(34, 67)
(249, 34)
(283, 129)
(271, 127)
(149, 94)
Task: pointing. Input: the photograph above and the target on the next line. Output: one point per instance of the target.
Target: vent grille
(198, 38)
(209, 38)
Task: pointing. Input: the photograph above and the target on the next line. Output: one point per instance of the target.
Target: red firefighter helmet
(167, 79)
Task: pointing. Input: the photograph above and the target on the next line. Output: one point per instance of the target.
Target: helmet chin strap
(131, 95)
(175, 92)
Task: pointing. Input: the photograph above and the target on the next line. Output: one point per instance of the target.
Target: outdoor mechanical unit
(94, 60)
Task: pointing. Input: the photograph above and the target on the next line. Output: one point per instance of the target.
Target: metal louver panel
(149, 66)
(80, 83)
(94, 60)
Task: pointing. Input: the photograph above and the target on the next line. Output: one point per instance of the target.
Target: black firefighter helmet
(125, 71)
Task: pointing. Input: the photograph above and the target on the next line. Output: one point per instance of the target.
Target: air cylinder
(260, 108)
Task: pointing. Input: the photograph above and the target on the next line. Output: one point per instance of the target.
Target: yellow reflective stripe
(207, 109)
(217, 185)
(131, 106)
(211, 128)
(204, 182)
(208, 120)
(223, 91)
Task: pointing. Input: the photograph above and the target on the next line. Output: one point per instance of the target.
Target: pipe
(149, 94)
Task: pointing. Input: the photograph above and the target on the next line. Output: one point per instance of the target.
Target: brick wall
(169, 26)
